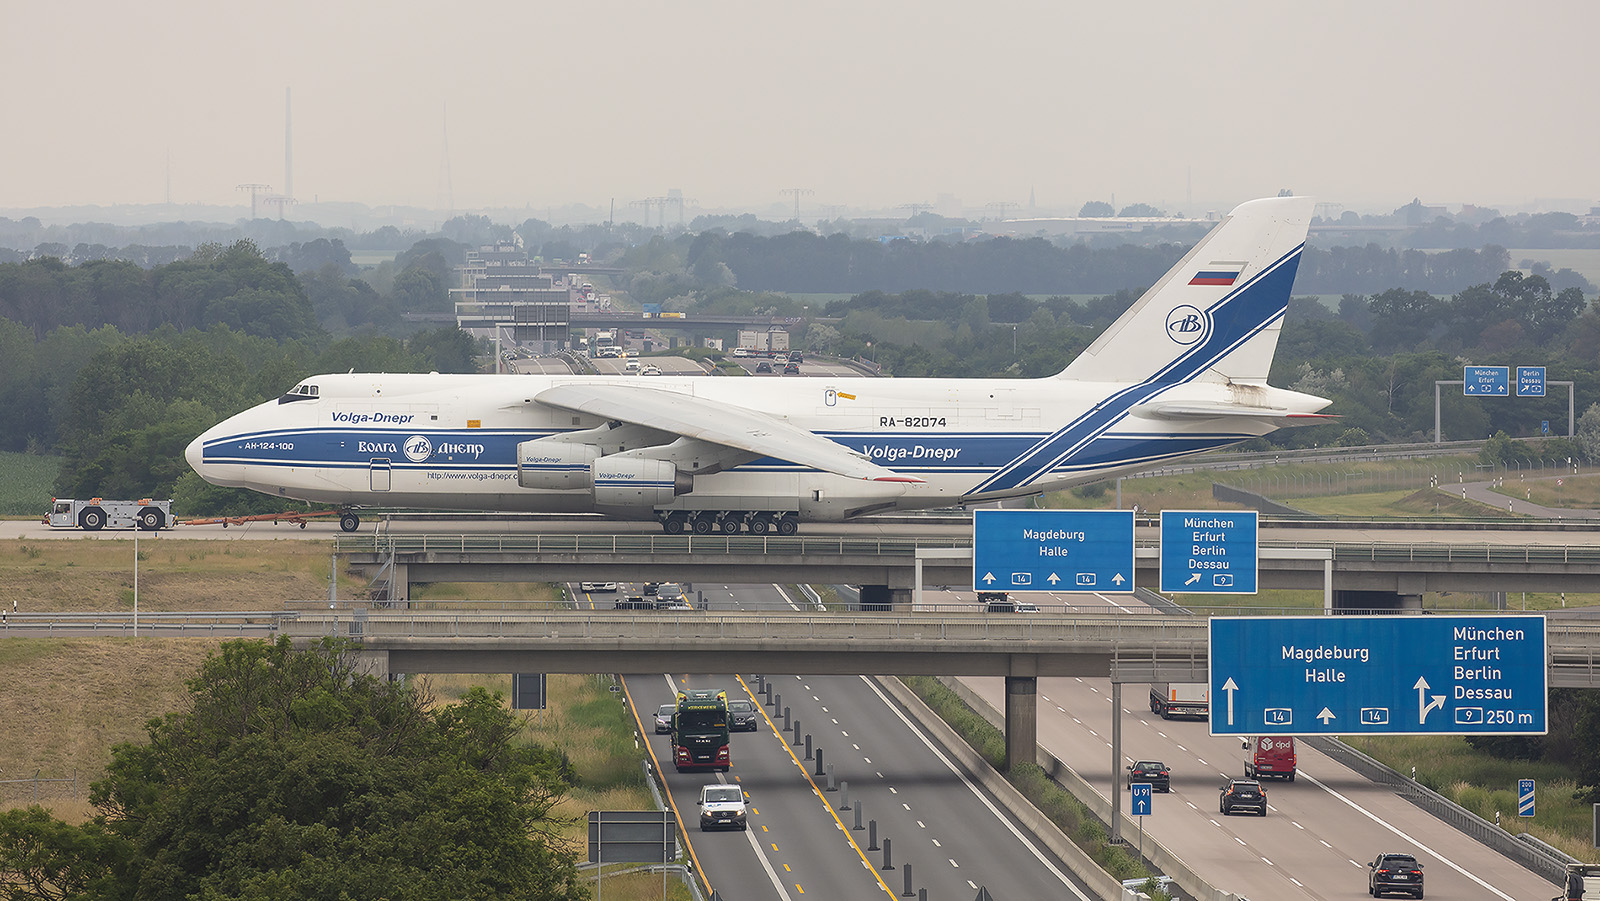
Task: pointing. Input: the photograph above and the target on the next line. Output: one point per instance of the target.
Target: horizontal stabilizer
(1280, 416)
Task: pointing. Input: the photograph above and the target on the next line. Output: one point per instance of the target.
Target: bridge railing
(1094, 631)
(540, 543)
(838, 546)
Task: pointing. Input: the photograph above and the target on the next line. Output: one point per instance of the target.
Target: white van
(632, 365)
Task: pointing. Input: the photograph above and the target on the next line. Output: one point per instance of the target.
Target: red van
(1271, 757)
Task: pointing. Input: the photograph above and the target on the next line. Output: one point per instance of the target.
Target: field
(25, 481)
(1584, 261)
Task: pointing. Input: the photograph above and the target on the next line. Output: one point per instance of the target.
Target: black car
(1395, 873)
(763, 367)
(742, 716)
(1152, 771)
(1243, 793)
(791, 369)
(996, 602)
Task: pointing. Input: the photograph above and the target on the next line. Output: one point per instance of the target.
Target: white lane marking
(936, 843)
(1015, 832)
(748, 834)
(953, 862)
(767, 865)
(1376, 819)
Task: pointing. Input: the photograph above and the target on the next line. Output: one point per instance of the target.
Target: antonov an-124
(1184, 370)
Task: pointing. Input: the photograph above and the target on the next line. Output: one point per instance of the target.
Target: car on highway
(791, 369)
(651, 370)
(1242, 793)
(598, 586)
(1152, 771)
(763, 366)
(664, 717)
(1394, 874)
(742, 716)
(722, 805)
(996, 602)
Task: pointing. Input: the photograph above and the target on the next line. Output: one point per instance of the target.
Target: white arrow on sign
(1193, 579)
(988, 578)
(1230, 687)
(1053, 579)
(1326, 715)
(1118, 579)
(1423, 704)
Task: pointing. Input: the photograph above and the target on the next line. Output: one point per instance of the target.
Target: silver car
(664, 717)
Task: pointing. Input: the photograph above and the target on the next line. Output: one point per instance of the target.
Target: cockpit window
(302, 391)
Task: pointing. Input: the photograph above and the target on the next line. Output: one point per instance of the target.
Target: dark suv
(742, 716)
(1397, 873)
(1243, 793)
(1152, 771)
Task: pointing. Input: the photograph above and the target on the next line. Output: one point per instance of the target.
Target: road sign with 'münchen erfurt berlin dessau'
(1378, 675)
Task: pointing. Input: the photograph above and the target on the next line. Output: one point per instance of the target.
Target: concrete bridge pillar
(1022, 720)
(884, 598)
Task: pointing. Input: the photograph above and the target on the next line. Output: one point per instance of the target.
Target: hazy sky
(861, 103)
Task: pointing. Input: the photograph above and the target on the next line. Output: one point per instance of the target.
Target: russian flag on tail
(1218, 273)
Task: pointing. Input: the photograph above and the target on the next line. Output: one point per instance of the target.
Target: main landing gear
(729, 522)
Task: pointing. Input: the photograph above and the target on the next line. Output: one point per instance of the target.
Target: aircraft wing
(718, 423)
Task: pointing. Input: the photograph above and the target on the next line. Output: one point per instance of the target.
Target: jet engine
(555, 465)
(636, 482)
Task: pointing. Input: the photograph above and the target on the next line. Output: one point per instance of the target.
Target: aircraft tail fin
(1214, 316)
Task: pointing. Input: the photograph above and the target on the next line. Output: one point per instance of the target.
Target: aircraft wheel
(673, 525)
(759, 525)
(728, 524)
(787, 526)
(703, 524)
(349, 522)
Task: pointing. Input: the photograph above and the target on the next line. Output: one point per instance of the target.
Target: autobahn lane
(793, 845)
(957, 838)
(1319, 833)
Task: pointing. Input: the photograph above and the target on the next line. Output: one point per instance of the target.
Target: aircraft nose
(195, 454)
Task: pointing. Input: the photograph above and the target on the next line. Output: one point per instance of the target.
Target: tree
(1097, 209)
(292, 775)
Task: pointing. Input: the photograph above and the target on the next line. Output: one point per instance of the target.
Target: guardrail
(164, 622)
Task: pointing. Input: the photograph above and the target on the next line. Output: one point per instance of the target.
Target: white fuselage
(450, 441)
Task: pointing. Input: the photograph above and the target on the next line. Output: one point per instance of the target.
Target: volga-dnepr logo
(418, 448)
(1188, 325)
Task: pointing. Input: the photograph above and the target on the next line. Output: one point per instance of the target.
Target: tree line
(803, 262)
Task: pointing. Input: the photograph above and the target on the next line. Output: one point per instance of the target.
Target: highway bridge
(1020, 648)
(1378, 569)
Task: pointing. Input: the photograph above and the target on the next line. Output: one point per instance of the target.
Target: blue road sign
(1486, 381)
(1209, 552)
(1378, 675)
(1544, 426)
(1530, 381)
(1141, 801)
(1052, 550)
(1524, 797)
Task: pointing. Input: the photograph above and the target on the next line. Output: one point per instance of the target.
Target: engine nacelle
(634, 482)
(555, 465)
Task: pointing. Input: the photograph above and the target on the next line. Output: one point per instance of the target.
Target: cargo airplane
(1184, 370)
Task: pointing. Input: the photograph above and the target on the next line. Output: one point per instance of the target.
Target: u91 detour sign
(1378, 675)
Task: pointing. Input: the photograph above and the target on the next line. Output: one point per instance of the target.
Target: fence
(1307, 481)
(37, 790)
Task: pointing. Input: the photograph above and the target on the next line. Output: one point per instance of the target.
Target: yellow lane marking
(682, 832)
(806, 774)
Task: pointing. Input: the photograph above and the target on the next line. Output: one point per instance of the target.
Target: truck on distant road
(95, 514)
(1170, 699)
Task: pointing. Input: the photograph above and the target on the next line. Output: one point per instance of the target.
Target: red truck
(1271, 757)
